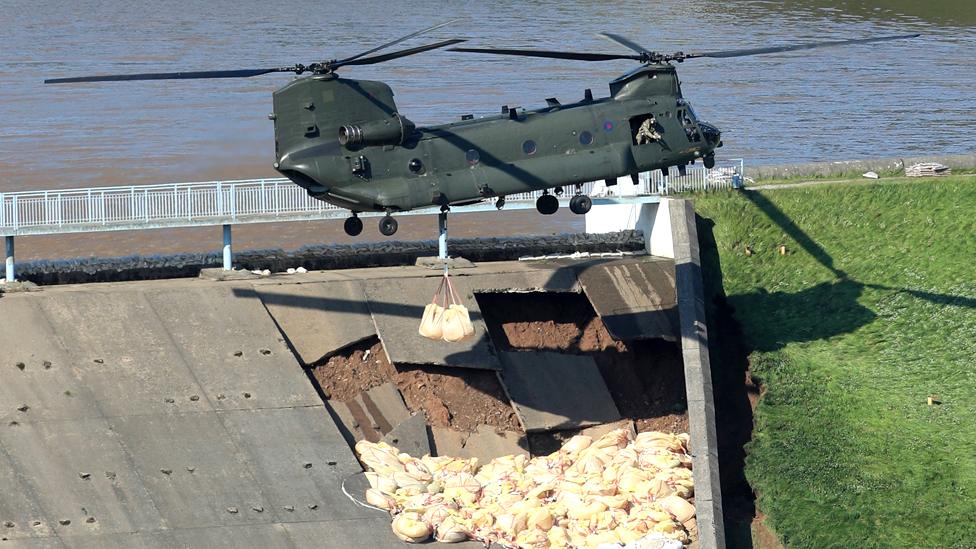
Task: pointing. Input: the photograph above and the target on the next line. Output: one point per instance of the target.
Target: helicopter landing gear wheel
(580, 204)
(709, 161)
(547, 204)
(353, 225)
(388, 225)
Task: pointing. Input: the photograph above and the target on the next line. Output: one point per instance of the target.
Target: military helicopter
(346, 143)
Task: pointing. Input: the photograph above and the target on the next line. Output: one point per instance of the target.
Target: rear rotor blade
(397, 54)
(623, 42)
(393, 42)
(794, 47)
(242, 73)
(576, 56)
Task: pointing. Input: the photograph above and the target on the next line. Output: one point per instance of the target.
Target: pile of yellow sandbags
(614, 490)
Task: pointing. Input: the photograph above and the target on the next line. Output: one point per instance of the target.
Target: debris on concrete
(438, 264)
(221, 275)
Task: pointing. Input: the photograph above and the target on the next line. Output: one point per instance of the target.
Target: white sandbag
(430, 323)
(452, 325)
(465, 319)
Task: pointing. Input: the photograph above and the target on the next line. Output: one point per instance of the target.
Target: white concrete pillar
(442, 238)
(10, 258)
(228, 254)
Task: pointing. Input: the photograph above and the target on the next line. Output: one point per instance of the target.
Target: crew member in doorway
(647, 133)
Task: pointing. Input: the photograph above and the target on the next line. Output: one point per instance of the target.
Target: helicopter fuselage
(345, 142)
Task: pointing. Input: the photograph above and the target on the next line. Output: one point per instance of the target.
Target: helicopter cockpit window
(645, 129)
(528, 147)
(472, 157)
(688, 123)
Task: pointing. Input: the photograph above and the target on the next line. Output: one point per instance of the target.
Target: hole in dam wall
(369, 395)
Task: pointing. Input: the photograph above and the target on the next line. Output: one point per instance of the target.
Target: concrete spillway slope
(165, 414)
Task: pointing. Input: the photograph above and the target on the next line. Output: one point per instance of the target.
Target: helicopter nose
(711, 134)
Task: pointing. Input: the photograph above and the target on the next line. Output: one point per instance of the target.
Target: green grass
(872, 310)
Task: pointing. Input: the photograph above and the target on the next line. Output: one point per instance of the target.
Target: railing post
(277, 200)
(220, 199)
(228, 254)
(10, 258)
(233, 201)
(15, 214)
(3, 210)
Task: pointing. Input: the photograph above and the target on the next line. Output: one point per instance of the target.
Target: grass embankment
(871, 311)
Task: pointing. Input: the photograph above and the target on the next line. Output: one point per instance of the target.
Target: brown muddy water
(897, 98)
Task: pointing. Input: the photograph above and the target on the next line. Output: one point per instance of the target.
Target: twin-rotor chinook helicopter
(346, 143)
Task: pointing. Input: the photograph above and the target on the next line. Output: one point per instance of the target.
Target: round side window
(472, 157)
(416, 166)
(586, 138)
(528, 147)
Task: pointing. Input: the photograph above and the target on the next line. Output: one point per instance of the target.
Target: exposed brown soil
(450, 397)
(645, 378)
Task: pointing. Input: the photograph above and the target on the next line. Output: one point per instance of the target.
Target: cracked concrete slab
(485, 444)
(553, 391)
(373, 413)
(635, 298)
(397, 306)
(411, 436)
(319, 318)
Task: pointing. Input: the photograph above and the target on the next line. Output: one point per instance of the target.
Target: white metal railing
(221, 202)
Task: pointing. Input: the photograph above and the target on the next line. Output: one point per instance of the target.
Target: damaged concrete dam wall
(188, 412)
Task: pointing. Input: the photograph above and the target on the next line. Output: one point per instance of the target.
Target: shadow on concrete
(336, 305)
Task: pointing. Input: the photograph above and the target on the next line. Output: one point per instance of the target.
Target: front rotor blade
(242, 73)
(806, 46)
(392, 42)
(552, 54)
(397, 54)
(623, 41)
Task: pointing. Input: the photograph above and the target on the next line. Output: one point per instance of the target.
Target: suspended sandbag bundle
(445, 317)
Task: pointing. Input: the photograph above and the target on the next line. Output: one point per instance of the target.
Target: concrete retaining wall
(323, 257)
(856, 167)
(669, 230)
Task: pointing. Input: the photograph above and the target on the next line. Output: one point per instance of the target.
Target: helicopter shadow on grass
(827, 309)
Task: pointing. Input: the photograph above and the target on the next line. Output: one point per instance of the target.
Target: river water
(894, 98)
